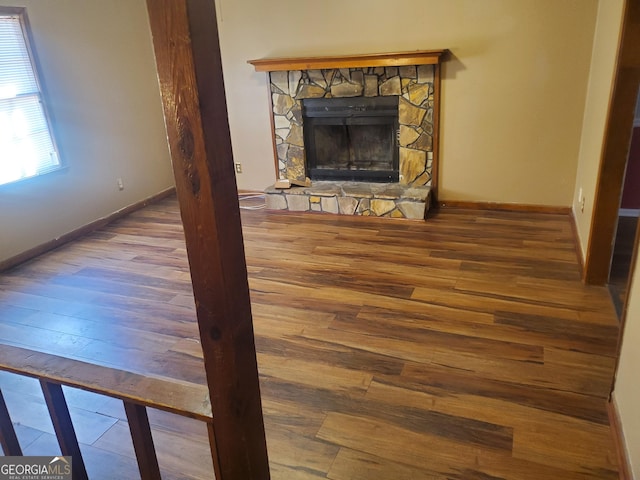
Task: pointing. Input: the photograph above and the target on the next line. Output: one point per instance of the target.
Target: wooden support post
(185, 38)
(8, 437)
(435, 162)
(142, 441)
(212, 444)
(615, 150)
(59, 412)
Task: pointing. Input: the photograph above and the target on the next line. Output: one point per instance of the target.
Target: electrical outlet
(120, 184)
(238, 168)
(580, 199)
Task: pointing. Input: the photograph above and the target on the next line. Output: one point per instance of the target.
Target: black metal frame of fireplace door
(345, 114)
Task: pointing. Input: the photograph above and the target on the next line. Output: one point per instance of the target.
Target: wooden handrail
(174, 396)
(136, 391)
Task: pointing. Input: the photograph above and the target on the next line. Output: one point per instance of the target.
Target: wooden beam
(615, 150)
(189, 66)
(418, 57)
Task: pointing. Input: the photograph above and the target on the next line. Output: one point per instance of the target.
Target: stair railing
(136, 391)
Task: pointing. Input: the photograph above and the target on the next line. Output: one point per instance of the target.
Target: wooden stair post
(185, 39)
(8, 437)
(63, 426)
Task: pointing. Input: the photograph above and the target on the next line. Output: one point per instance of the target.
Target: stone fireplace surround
(412, 76)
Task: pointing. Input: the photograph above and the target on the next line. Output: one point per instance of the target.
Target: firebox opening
(351, 138)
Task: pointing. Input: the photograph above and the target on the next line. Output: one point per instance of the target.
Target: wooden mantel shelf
(418, 57)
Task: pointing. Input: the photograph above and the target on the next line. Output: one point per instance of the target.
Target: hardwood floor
(463, 348)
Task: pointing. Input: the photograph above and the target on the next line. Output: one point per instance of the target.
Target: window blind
(26, 145)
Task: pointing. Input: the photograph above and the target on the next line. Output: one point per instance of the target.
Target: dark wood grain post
(8, 438)
(63, 426)
(187, 50)
(142, 441)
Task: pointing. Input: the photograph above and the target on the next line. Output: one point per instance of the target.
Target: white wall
(627, 387)
(513, 92)
(605, 47)
(97, 62)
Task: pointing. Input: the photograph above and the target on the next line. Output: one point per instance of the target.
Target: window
(27, 147)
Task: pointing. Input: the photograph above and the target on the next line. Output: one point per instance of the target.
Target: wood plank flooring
(461, 348)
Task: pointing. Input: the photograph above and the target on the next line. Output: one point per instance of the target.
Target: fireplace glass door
(351, 138)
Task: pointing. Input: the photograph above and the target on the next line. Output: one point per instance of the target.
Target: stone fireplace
(353, 121)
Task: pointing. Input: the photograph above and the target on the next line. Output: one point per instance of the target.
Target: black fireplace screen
(351, 138)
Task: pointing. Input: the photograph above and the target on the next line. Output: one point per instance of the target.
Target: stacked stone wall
(353, 198)
(413, 84)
